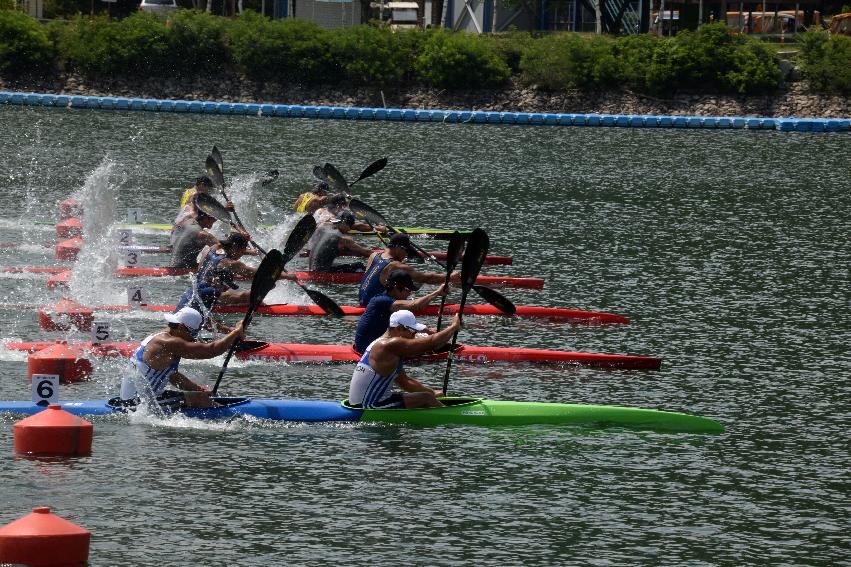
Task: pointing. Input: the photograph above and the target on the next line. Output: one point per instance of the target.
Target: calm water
(729, 250)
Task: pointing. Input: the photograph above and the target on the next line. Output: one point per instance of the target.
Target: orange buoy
(59, 280)
(68, 249)
(53, 431)
(42, 539)
(69, 227)
(65, 315)
(70, 207)
(60, 359)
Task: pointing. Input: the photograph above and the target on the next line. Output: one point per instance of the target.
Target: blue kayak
(464, 411)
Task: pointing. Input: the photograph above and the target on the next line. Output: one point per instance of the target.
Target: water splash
(92, 276)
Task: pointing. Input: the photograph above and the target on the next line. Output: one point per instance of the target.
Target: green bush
(713, 59)
(565, 61)
(635, 53)
(196, 41)
(8, 5)
(136, 46)
(826, 61)
(368, 55)
(460, 60)
(510, 46)
(24, 44)
(290, 50)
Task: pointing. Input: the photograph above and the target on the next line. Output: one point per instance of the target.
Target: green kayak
(474, 411)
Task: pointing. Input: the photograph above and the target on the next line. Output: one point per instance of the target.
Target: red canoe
(61, 276)
(272, 352)
(525, 311)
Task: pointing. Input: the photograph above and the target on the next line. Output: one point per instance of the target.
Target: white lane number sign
(100, 332)
(137, 296)
(45, 388)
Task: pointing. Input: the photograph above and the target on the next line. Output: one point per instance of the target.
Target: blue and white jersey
(142, 381)
(368, 387)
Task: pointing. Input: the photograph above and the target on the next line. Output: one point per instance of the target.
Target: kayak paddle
(264, 281)
(490, 295)
(371, 170)
(471, 265)
(268, 178)
(211, 207)
(215, 173)
(456, 242)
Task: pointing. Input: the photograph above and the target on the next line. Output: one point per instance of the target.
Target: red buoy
(60, 359)
(64, 315)
(42, 539)
(68, 249)
(70, 207)
(69, 227)
(53, 431)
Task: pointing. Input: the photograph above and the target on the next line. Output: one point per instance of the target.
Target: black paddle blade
(319, 173)
(327, 304)
(265, 279)
(336, 178)
(217, 156)
(211, 207)
(365, 212)
(298, 237)
(247, 345)
(456, 244)
(474, 257)
(214, 172)
(496, 299)
(371, 170)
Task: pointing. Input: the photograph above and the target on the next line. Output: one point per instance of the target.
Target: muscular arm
(411, 385)
(201, 351)
(346, 243)
(207, 239)
(406, 348)
(418, 303)
(183, 383)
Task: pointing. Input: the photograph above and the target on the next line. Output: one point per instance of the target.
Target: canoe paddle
(264, 281)
(471, 265)
(211, 207)
(364, 211)
(456, 242)
(332, 176)
(268, 178)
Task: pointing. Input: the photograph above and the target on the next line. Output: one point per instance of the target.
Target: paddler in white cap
(154, 364)
(382, 364)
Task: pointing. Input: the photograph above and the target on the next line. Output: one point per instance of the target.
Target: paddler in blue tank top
(155, 362)
(382, 365)
(382, 262)
(376, 317)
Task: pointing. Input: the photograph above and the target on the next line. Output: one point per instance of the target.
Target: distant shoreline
(795, 102)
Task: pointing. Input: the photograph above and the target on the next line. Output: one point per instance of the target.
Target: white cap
(406, 319)
(188, 317)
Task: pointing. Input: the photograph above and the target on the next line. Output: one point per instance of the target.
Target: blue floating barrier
(464, 116)
(844, 124)
(621, 120)
(237, 108)
(252, 108)
(752, 123)
(312, 111)
(78, 101)
(409, 115)
(168, 106)
(323, 112)
(492, 117)
(635, 121)
(5, 97)
(709, 122)
(477, 117)
(32, 99)
(122, 103)
(536, 118)
(593, 119)
(522, 118)
(818, 126)
(579, 119)
(365, 113)
(679, 122)
(422, 115)
(181, 106)
(296, 110)
(564, 119)
(350, 113)
(196, 106)
(694, 122)
(17, 98)
(508, 117)
(209, 107)
(607, 120)
(152, 105)
(267, 109)
(832, 125)
(394, 114)
(62, 100)
(650, 121)
(280, 110)
(793, 124)
(723, 122)
(47, 100)
(550, 119)
(380, 114)
(137, 104)
(95, 102)
(738, 123)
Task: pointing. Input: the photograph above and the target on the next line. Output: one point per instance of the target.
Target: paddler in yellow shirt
(203, 184)
(311, 201)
